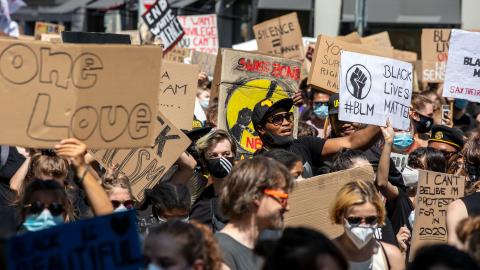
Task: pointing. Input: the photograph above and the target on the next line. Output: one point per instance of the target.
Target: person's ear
(256, 200)
(198, 264)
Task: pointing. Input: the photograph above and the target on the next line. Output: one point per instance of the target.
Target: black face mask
(473, 172)
(424, 125)
(220, 167)
(275, 140)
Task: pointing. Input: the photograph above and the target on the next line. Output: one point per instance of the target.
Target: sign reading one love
(374, 88)
(462, 76)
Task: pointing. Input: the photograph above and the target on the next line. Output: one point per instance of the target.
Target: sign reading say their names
(163, 23)
(104, 95)
(281, 36)
(107, 242)
(144, 167)
(374, 88)
(462, 75)
(435, 191)
(177, 93)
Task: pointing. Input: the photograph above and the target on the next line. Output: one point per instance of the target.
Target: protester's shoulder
(393, 254)
(309, 140)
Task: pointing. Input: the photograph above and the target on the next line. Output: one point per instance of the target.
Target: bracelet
(80, 180)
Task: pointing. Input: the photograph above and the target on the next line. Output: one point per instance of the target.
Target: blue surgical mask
(42, 221)
(320, 110)
(461, 103)
(121, 208)
(152, 266)
(204, 103)
(402, 141)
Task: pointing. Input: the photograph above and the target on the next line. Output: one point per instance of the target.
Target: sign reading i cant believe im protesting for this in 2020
(374, 88)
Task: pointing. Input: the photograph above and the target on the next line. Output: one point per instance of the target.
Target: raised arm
(75, 151)
(359, 139)
(386, 188)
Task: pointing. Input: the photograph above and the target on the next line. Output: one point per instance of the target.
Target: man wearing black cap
(446, 139)
(274, 123)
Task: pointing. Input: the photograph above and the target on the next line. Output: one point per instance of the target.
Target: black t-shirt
(386, 234)
(14, 161)
(309, 149)
(207, 210)
(472, 203)
(399, 210)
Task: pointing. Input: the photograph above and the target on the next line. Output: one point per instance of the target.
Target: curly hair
(246, 182)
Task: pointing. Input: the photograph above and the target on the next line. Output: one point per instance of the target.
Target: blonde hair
(211, 139)
(356, 193)
(116, 180)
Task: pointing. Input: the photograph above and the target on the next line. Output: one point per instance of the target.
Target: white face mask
(410, 176)
(360, 235)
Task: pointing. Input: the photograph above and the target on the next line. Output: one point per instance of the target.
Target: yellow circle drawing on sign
(239, 107)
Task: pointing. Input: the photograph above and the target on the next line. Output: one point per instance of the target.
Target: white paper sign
(400, 161)
(462, 76)
(374, 88)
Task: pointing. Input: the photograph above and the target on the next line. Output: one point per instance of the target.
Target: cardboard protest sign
(462, 76)
(435, 44)
(245, 79)
(326, 60)
(431, 71)
(54, 91)
(177, 54)
(281, 36)
(309, 52)
(405, 55)
(435, 191)
(47, 28)
(163, 23)
(107, 242)
(177, 93)
(53, 38)
(205, 61)
(201, 33)
(381, 39)
(144, 167)
(353, 37)
(311, 199)
(374, 88)
(134, 36)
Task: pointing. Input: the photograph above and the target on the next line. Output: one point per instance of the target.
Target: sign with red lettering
(201, 33)
(435, 191)
(245, 79)
(162, 22)
(281, 36)
(462, 76)
(50, 92)
(435, 44)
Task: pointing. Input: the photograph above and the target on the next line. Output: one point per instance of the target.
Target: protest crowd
(335, 154)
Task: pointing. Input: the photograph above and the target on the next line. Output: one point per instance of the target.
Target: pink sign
(200, 33)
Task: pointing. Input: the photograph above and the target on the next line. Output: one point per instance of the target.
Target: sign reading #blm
(109, 243)
(374, 88)
(462, 78)
(104, 95)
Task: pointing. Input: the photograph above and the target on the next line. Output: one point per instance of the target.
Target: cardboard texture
(309, 52)
(281, 36)
(405, 55)
(47, 28)
(435, 44)
(177, 54)
(311, 199)
(50, 92)
(326, 60)
(201, 33)
(52, 38)
(70, 245)
(178, 88)
(245, 79)
(163, 23)
(434, 192)
(353, 37)
(144, 167)
(381, 39)
(205, 61)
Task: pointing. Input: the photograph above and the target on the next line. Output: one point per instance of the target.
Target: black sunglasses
(38, 207)
(355, 221)
(128, 204)
(277, 119)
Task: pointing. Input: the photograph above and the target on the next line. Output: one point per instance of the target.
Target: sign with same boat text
(374, 88)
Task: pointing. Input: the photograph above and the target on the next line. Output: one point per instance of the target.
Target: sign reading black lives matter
(374, 88)
(163, 23)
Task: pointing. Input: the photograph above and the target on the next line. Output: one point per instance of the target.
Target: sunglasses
(279, 196)
(36, 208)
(277, 119)
(128, 204)
(355, 221)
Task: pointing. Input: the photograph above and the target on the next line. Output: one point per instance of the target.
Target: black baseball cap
(448, 135)
(266, 106)
(333, 104)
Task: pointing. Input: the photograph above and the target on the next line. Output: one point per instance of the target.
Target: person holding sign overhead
(274, 123)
